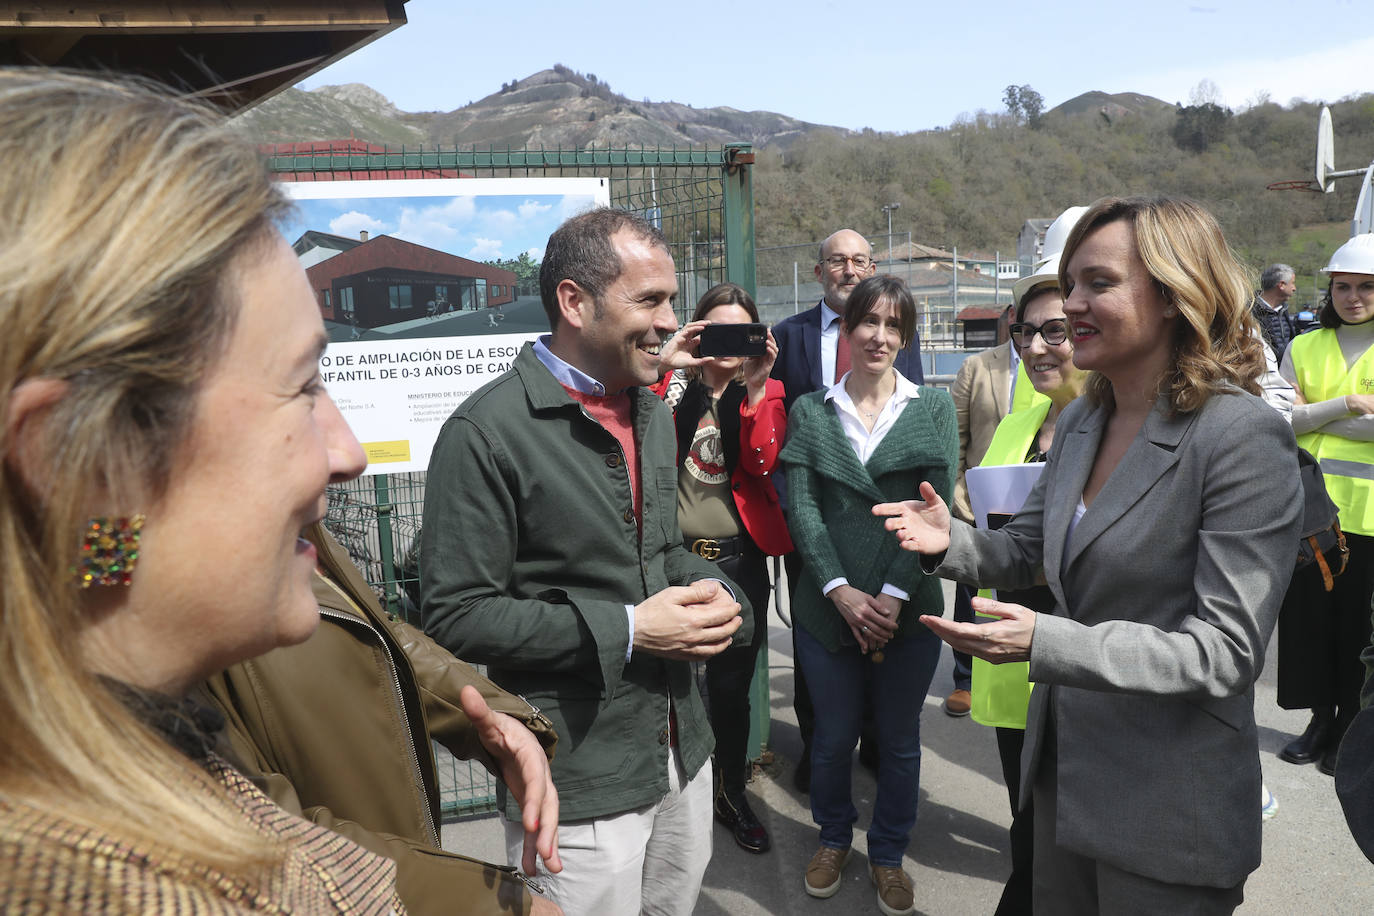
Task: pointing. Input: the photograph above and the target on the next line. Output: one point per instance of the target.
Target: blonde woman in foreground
(1141, 752)
(166, 438)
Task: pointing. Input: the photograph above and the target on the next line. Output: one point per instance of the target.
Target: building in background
(374, 282)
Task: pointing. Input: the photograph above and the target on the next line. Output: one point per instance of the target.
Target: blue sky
(891, 65)
(482, 228)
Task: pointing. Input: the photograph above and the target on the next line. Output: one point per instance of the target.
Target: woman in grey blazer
(1167, 569)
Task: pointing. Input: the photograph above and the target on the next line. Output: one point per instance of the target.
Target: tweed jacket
(832, 494)
(529, 555)
(1166, 595)
(338, 730)
(49, 864)
(982, 397)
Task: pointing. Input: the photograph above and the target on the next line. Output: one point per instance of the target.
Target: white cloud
(351, 223)
(532, 208)
(536, 253)
(485, 249)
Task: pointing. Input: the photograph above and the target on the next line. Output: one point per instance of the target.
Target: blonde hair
(126, 215)
(1217, 342)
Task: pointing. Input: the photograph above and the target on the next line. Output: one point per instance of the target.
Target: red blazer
(761, 433)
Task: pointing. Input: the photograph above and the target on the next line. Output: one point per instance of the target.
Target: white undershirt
(865, 442)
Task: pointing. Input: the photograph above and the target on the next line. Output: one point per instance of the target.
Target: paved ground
(958, 853)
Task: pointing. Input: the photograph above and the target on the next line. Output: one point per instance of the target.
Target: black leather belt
(715, 548)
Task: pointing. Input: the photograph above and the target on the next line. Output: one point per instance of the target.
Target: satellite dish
(1326, 152)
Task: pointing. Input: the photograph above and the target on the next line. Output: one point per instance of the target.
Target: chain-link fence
(702, 200)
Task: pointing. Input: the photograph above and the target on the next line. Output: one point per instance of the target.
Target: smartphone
(733, 340)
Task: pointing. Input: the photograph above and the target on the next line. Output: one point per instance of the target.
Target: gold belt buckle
(706, 548)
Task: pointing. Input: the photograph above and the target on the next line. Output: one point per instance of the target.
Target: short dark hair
(876, 289)
(580, 250)
(1034, 294)
(726, 294)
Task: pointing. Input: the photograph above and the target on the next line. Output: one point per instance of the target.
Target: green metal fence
(703, 201)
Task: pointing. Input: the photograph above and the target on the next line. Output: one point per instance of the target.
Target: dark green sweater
(830, 498)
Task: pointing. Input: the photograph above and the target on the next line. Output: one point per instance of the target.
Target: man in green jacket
(551, 552)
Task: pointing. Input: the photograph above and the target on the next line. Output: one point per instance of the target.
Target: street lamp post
(888, 210)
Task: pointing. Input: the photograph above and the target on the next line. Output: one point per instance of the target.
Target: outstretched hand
(921, 524)
(525, 771)
(997, 641)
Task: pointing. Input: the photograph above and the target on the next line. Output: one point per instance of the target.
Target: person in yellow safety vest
(1332, 371)
(1001, 692)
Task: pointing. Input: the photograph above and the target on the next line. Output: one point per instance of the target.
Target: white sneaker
(1269, 805)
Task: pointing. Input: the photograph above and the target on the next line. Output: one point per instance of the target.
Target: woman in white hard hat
(1320, 638)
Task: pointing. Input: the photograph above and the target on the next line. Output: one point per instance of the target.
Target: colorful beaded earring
(109, 551)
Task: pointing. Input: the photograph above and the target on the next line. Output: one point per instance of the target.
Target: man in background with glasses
(812, 355)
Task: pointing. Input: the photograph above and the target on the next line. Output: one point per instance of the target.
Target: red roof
(383, 251)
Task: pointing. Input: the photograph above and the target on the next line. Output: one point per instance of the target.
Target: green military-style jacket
(530, 553)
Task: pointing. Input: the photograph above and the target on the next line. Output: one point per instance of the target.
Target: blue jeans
(899, 685)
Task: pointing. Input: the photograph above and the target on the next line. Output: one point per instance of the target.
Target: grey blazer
(1166, 597)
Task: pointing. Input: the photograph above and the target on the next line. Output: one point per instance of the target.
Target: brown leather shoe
(824, 871)
(958, 703)
(895, 897)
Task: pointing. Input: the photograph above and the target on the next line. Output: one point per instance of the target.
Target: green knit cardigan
(830, 500)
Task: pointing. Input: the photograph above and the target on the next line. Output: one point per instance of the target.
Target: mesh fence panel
(682, 191)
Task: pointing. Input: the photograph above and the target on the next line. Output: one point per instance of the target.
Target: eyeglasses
(1055, 332)
(837, 262)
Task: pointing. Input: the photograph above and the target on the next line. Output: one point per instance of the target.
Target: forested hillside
(973, 184)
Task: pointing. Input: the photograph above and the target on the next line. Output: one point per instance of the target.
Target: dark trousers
(963, 613)
(1321, 635)
(1016, 894)
(896, 687)
(801, 694)
(729, 674)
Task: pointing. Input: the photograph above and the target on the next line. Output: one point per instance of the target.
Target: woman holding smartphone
(730, 425)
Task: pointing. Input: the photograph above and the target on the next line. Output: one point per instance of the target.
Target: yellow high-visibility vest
(1023, 395)
(1347, 465)
(1002, 692)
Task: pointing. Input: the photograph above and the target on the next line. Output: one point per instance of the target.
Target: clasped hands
(922, 525)
(871, 618)
(688, 622)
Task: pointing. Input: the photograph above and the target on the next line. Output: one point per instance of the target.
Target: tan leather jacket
(336, 729)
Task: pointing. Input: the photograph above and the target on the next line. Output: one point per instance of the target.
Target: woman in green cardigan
(873, 434)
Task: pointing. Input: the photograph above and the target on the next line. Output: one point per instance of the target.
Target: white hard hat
(1058, 233)
(1354, 257)
(1047, 270)
(1047, 274)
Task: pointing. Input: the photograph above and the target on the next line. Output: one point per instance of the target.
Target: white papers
(1000, 490)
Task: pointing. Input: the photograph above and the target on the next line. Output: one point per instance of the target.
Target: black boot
(1327, 764)
(734, 812)
(1311, 744)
